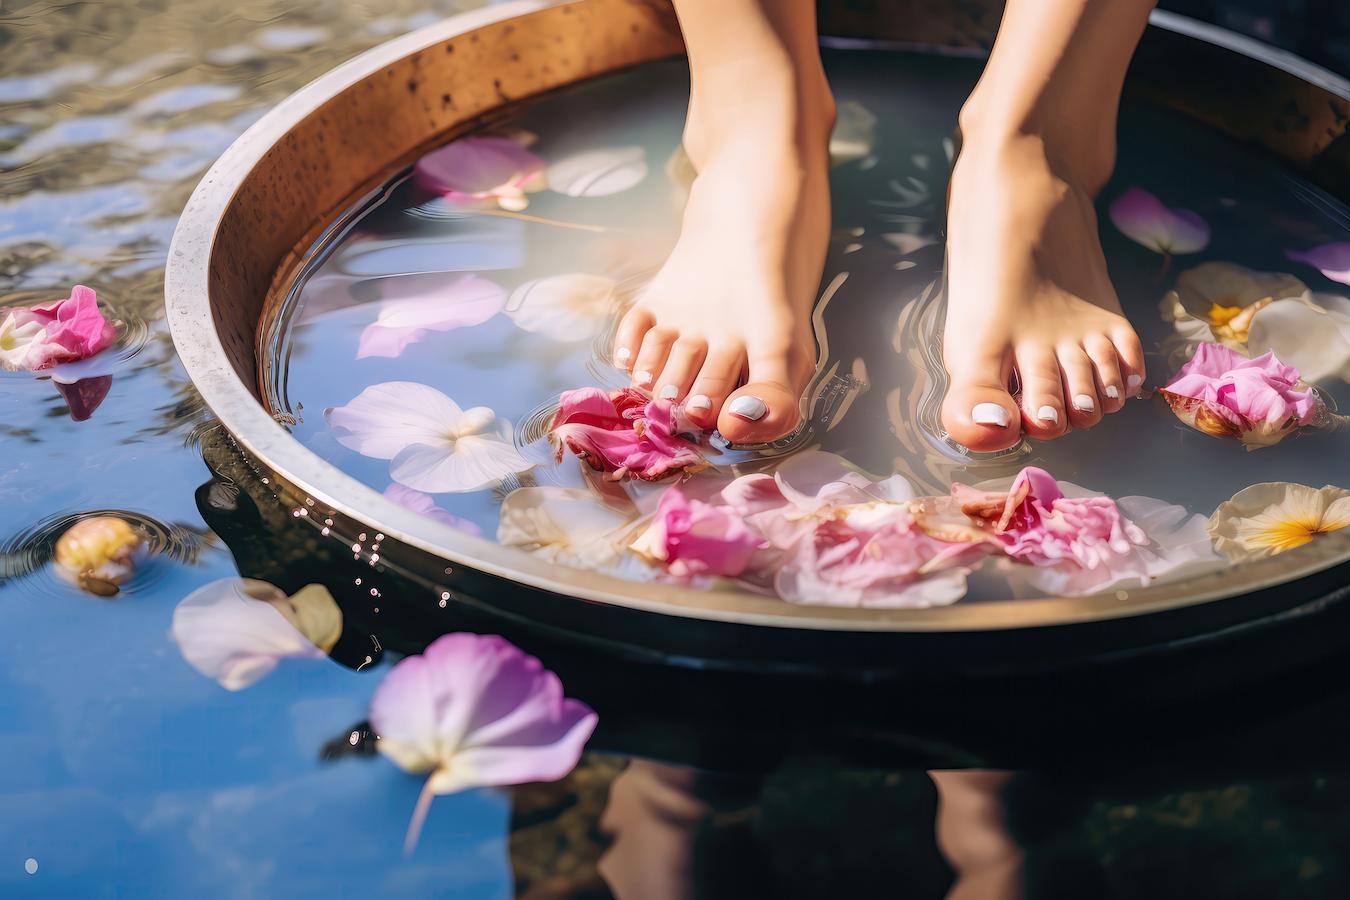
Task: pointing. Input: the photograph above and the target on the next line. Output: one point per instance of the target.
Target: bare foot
(1028, 292)
(725, 326)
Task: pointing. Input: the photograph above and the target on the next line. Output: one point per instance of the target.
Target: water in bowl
(522, 298)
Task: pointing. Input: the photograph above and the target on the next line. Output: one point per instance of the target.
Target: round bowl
(250, 223)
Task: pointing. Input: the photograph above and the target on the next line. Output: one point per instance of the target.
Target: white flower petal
(598, 173)
(564, 307)
(470, 463)
(1313, 335)
(385, 418)
(572, 526)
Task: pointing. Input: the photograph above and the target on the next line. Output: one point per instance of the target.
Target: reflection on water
(129, 768)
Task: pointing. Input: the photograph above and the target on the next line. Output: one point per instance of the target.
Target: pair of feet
(725, 326)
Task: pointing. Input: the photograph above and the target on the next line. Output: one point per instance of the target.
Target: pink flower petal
(624, 433)
(1332, 260)
(418, 304)
(1221, 392)
(84, 396)
(1144, 219)
(476, 711)
(73, 329)
(479, 169)
(694, 538)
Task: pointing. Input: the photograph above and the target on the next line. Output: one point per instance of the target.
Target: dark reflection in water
(126, 772)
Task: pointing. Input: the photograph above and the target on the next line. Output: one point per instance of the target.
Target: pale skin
(724, 327)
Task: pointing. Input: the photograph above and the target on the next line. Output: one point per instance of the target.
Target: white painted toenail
(989, 414)
(1113, 392)
(698, 401)
(748, 407)
(669, 391)
(1084, 403)
(1133, 382)
(643, 377)
(623, 354)
(1047, 414)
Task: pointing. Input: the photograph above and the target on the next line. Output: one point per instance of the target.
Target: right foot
(725, 326)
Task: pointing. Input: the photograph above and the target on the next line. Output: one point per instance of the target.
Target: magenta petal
(84, 396)
(75, 329)
(623, 433)
(1332, 260)
(695, 538)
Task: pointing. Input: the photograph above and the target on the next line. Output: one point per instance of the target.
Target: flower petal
(1311, 336)
(1332, 260)
(598, 173)
(565, 307)
(385, 418)
(1143, 218)
(470, 463)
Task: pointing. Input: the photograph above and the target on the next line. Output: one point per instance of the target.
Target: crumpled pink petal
(71, 330)
(1085, 543)
(1037, 524)
(1332, 260)
(1223, 393)
(624, 433)
(694, 538)
(482, 169)
(1143, 218)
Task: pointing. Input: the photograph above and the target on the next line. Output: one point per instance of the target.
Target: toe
(628, 337)
(978, 411)
(718, 377)
(767, 407)
(1042, 393)
(1080, 387)
(651, 357)
(681, 365)
(1130, 353)
(1110, 382)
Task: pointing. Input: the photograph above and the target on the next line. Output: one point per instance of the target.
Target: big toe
(980, 414)
(758, 412)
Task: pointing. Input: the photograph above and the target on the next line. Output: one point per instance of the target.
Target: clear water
(876, 401)
(125, 772)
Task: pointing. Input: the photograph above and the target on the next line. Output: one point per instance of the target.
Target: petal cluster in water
(1258, 401)
(476, 711)
(49, 334)
(625, 432)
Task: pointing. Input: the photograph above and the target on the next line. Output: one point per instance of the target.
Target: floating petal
(1144, 219)
(598, 173)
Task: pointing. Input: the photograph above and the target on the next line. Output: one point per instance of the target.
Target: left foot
(1028, 293)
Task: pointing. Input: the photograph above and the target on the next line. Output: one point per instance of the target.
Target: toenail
(748, 407)
(1133, 381)
(698, 401)
(1084, 403)
(622, 354)
(643, 377)
(1047, 414)
(1113, 392)
(669, 391)
(989, 414)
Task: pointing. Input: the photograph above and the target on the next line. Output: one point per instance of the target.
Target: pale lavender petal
(1144, 218)
(1332, 260)
(426, 505)
(478, 711)
(468, 464)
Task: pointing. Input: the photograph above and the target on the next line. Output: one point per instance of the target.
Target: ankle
(788, 111)
(1081, 150)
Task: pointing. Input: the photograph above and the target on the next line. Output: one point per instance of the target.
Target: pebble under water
(128, 770)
